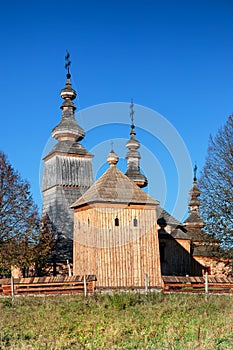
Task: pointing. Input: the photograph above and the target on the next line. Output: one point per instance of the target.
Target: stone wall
(218, 266)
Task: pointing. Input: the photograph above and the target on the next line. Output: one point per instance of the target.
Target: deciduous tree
(216, 185)
(44, 248)
(21, 243)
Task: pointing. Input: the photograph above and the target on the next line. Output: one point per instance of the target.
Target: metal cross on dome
(68, 62)
(195, 172)
(132, 112)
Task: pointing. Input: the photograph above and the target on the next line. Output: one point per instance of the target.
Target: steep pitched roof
(207, 250)
(179, 233)
(114, 187)
(194, 217)
(198, 235)
(170, 220)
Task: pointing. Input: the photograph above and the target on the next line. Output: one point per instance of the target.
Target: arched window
(116, 221)
(135, 222)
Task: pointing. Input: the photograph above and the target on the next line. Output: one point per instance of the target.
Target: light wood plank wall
(119, 256)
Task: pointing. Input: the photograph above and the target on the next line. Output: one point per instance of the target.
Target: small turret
(112, 158)
(194, 220)
(133, 156)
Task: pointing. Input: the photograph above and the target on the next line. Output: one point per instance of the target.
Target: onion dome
(112, 158)
(133, 156)
(132, 143)
(68, 93)
(194, 202)
(68, 129)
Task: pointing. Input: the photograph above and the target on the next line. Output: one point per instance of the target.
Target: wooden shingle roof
(194, 217)
(69, 148)
(114, 187)
(198, 235)
(170, 220)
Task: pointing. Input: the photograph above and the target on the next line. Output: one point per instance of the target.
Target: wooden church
(115, 232)
(112, 228)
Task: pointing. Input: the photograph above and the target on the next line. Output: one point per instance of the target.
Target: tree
(216, 185)
(44, 248)
(19, 221)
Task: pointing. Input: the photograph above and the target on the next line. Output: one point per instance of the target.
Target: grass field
(119, 321)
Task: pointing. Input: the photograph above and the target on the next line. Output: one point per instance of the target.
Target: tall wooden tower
(67, 173)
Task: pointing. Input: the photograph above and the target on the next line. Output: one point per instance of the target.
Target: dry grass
(120, 321)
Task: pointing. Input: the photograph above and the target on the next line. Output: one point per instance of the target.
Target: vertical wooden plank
(115, 261)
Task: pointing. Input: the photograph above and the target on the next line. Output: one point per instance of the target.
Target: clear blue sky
(175, 57)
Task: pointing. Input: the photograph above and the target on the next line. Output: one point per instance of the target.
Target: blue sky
(174, 57)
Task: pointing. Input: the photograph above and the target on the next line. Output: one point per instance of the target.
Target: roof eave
(82, 204)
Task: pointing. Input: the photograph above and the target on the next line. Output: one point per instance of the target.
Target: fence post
(69, 269)
(206, 284)
(146, 282)
(12, 288)
(85, 286)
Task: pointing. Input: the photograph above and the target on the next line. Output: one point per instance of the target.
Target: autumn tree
(19, 221)
(25, 240)
(216, 185)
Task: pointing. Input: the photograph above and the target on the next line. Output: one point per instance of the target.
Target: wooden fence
(196, 284)
(48, 285)
(86, 285)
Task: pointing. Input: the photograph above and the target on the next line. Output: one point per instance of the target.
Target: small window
(135, 222)
(116, 221)
(88, 222)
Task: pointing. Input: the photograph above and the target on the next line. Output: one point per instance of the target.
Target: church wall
(185, 243)
(175, 259)
(119, 256)
(65, 180)
(56, 203)
(67, 171)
